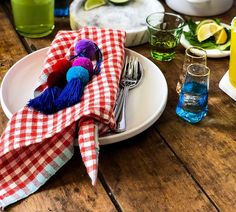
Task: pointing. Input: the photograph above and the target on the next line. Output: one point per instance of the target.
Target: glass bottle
(61, 8)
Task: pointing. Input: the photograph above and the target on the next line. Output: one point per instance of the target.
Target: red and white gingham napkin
(34, 146)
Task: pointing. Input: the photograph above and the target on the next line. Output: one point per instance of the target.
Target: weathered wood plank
(144, 175)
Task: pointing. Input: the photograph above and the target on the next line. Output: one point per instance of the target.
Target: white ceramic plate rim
(211, 53)
(112, 138)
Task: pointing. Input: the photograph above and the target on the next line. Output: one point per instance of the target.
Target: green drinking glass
(33, 18)
(164, 30)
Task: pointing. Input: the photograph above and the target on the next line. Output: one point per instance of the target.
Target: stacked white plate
(19, 83)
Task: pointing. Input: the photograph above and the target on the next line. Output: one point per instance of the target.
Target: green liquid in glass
(163, 45)
(33, 18)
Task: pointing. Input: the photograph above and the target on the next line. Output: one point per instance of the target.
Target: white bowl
(130, 17)
(200, 7)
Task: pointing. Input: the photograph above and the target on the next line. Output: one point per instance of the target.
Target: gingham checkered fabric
(34, 146)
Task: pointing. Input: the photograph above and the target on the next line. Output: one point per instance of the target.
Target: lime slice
(206, 21)
(119, 1)
(91, 4)
(207, 30)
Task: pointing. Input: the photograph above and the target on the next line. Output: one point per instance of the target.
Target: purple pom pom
(85, 63)
(85, 48)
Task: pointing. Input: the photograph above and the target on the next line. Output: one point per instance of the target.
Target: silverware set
(131, 76)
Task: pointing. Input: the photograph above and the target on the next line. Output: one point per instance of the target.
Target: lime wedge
(119, 1)
(91, 4)
(206, 21)
(207, 30)
(221, 36)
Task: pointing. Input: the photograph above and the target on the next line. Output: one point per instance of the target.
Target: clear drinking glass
(193, 54)
(164, 31)
(33, 18)
(193, 99)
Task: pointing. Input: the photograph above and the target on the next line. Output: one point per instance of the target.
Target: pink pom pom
(85, 63)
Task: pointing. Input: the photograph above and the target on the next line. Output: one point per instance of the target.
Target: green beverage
(33, 18)
(164, 31)
(163, 45)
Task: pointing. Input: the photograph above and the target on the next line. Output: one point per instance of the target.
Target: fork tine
(124, 72)
(135, 72)
(131, 67)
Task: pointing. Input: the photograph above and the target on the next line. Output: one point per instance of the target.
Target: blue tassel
(97, 69)
(70, 95)
(45, 101)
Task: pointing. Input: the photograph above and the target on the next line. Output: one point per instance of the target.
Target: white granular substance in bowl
(130, 16)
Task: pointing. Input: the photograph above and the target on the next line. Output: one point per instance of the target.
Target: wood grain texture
(144, 175)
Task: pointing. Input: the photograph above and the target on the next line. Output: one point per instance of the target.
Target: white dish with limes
(211, 53)
(129, 16)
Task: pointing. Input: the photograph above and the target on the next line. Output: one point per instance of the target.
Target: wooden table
(172, 166)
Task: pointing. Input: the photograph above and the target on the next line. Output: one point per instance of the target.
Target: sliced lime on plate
(119, 1)
(206, 21)
(91, 4)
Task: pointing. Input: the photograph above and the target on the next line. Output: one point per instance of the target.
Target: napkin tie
(34, 146)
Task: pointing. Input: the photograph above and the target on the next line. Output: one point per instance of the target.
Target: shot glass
(164, 30)
(193, 54)
(193, 99)
(33, 19)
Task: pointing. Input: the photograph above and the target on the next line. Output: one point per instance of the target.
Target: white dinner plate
(130, 17)
(211, 53)
(145, 103)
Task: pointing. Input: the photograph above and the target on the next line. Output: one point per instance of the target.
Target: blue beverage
(193, 102)
(61, 8)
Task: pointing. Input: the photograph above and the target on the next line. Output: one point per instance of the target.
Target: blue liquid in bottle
(193, 102)
(61, 8)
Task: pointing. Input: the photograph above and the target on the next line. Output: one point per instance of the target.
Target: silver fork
(130, 78)
(120, 97)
